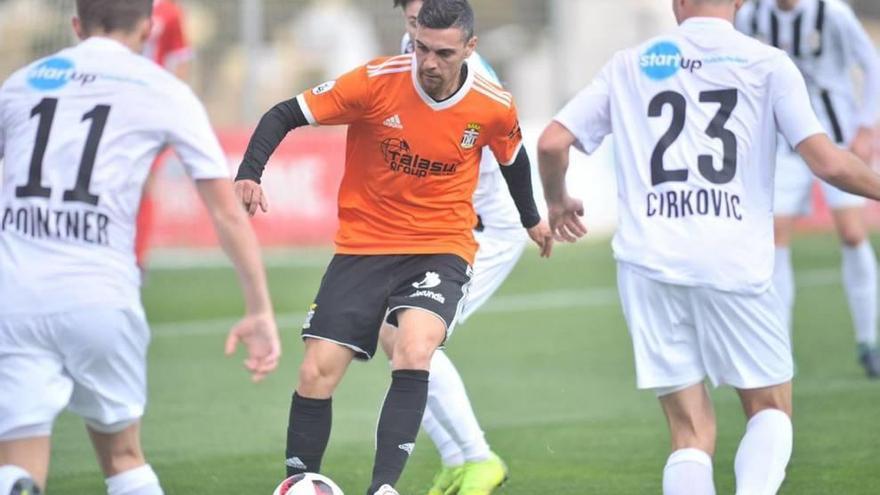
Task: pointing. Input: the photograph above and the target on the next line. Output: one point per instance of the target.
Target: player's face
(440, 54)
(787, 4)
(411, 16)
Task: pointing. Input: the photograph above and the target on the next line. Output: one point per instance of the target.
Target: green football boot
(482, 478)
(447, 481)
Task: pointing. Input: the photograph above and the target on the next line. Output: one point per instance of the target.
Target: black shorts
(360, 292)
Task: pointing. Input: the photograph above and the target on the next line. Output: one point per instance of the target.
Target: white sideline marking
(513, 303)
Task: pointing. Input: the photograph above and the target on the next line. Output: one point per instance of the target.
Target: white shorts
(682, 334)
(496, 257)
(92, 361)
(794, 185)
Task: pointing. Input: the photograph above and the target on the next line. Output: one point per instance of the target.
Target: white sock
(763, 453)
(12, 475)
(688, 472)
(860, 284)
(138, 481)
(783, 281)
(450, 454)
(449, 404)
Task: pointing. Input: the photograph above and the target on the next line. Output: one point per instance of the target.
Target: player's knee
(121, 458)
(315, 379)
(413, 355)
(852, 236)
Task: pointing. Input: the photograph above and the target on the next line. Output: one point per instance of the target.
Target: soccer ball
(307, 484)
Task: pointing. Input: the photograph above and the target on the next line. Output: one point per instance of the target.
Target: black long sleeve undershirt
(518, 176)
(273, 127)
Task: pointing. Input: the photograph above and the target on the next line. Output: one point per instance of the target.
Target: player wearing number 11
(695, 114)
(79, 131)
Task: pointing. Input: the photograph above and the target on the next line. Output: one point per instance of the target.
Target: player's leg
(859, 269)
(448, 402)
(122, 461)
(24, 463)
(28, 363)
(451, 456)
(105, 352)
(311, 412)
(668, 360)
(745, 344)
(765, 449)
(424, 306)
(783, 272)
(792, 188)
(342, 324)
(691, 422)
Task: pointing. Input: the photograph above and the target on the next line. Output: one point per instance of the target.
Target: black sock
(308, 431)
(398, 425)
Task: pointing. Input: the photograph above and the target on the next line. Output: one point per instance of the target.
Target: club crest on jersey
(471, 133)
(55, 73)
(664, 59)
(323, 87)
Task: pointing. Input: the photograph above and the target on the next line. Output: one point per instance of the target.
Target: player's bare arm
(839, 167)
(257, 330)
(275, 124)
(564, 212)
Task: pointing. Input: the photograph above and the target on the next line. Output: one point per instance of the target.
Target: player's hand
(863, 144)
(542, 236)
(251, 196)
(260, 335)
(565, 219)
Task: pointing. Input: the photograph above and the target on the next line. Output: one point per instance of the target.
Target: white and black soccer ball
(307, 484)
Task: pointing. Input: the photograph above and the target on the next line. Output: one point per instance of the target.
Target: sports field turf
(549, 367)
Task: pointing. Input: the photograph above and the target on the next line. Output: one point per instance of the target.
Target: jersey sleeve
(588, 115)
(338, 102)
(194, 140)
(506, 143)
(859, 44)
(795, 118)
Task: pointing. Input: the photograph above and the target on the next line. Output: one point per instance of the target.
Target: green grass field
(549, 367)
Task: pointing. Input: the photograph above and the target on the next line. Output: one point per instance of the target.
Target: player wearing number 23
(696, 114)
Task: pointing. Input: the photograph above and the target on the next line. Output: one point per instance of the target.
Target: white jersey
(79, 131)
(825, 40)
(492, 201)
(695, 116)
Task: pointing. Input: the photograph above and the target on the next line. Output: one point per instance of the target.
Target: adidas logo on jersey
(393, 122)
(407, 447)
(295, 463)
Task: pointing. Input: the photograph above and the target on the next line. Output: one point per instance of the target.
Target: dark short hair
(444, 14)
(112, 15)
(402, 3)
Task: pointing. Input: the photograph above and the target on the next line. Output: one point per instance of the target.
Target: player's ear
(78, 28)
(145, 27)
(470, 47)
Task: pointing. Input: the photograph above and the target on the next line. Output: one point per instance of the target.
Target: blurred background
(243, 56)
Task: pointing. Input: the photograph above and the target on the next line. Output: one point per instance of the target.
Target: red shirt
(167, 45)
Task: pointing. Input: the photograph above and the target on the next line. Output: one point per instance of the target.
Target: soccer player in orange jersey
(417, 126)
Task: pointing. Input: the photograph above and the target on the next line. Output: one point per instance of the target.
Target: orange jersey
(411, 163)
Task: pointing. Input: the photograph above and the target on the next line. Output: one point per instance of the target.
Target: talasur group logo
(664, 59)
(55, 73)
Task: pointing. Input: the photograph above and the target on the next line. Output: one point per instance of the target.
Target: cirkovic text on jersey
(694, 202)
